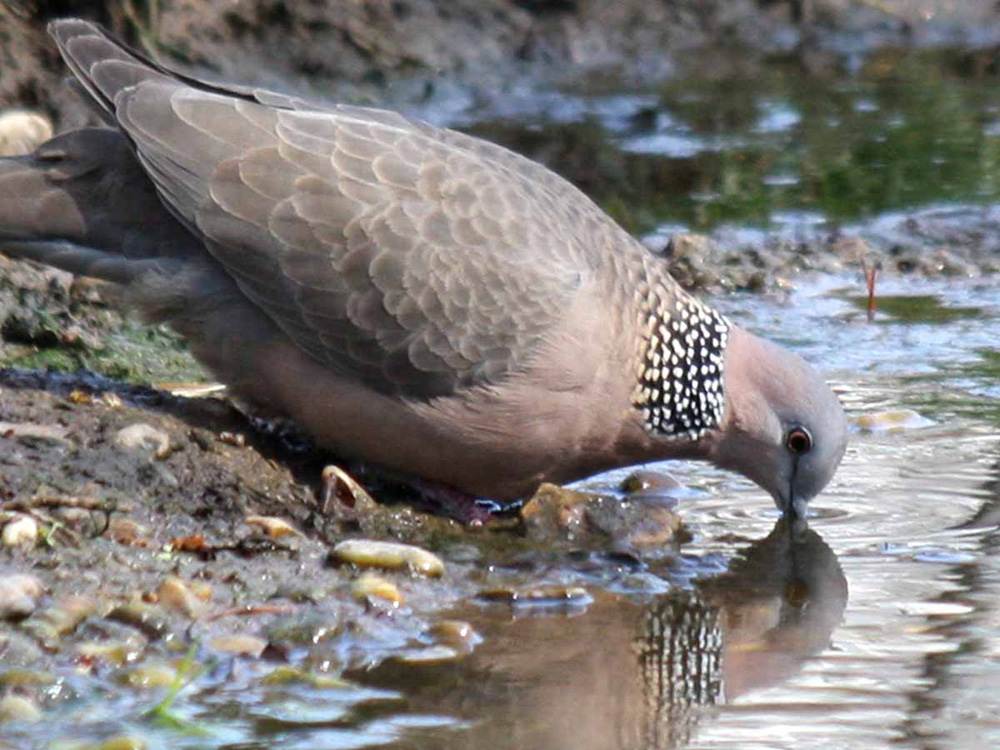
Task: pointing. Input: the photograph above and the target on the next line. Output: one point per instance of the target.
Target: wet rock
(274, 527)
(373, 586)
(19, 595)
(19, 708)
(692, 261)
(556, 511)
(25, 680)
(22, 531)
(149, 676)
(307, 631)
(457, 634)
(559, 513)
(144, 437)
(370, 553)
(644, 523)
(239, 645)
(114, 652)
(290, 675)
(22, 132)
(175, 594)
(148, 619)
(650, 483)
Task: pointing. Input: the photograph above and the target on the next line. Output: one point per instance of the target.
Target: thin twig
(870, 274)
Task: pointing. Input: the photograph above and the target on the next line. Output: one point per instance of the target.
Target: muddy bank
(150, 541)
(414, 50)
(961, 242)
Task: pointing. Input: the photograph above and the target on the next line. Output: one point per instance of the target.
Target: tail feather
(82, 203)
(103, 65)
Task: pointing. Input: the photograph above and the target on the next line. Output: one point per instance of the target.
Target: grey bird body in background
(411, 296)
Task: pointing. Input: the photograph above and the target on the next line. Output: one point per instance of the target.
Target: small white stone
(19, 595)
(22, 132)
(22, 531)
(145, 437)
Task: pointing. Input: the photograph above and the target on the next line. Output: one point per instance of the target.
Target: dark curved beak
(797, 507)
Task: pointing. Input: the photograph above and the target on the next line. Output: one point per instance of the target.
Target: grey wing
(405, 256)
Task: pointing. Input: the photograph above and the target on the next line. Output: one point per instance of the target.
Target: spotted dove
(411, 296)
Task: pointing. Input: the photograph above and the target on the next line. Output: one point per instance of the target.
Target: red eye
(799, 440)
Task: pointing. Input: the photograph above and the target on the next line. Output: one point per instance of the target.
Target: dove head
(783, 427)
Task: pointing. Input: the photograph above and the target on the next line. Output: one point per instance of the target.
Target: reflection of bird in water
(635, 677)
(748, 628)
(680, 657)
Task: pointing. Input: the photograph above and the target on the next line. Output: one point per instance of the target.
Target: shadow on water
(630, 675)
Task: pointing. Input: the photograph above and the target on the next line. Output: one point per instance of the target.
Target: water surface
(877, 624)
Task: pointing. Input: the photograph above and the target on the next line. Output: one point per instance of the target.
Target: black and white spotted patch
(680, 391)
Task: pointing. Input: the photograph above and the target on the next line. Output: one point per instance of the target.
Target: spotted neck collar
(680, 390)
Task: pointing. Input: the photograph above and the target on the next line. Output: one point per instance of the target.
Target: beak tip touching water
(797, 509)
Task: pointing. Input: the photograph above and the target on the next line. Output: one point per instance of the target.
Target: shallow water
(798, 142)
(877, 623)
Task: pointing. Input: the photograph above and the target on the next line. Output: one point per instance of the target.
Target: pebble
(692, 260)
(457, 634)
(52, 623)
(22, 531)
(24, 680)
(239, 644)
(554, 510)
(645, 521)
(274, 526)
(653, 526)
(19, 595)
(150, 676)
(117, 653)
(22, 132)
(369, 553)
(175, 594)
(374, 586)
(285, 675)
(144, 437)
(645, 482)
(18, 708)
(150, 620)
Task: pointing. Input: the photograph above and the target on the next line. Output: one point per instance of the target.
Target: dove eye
(798, 440)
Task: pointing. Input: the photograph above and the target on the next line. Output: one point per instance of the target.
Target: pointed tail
(82, 203)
